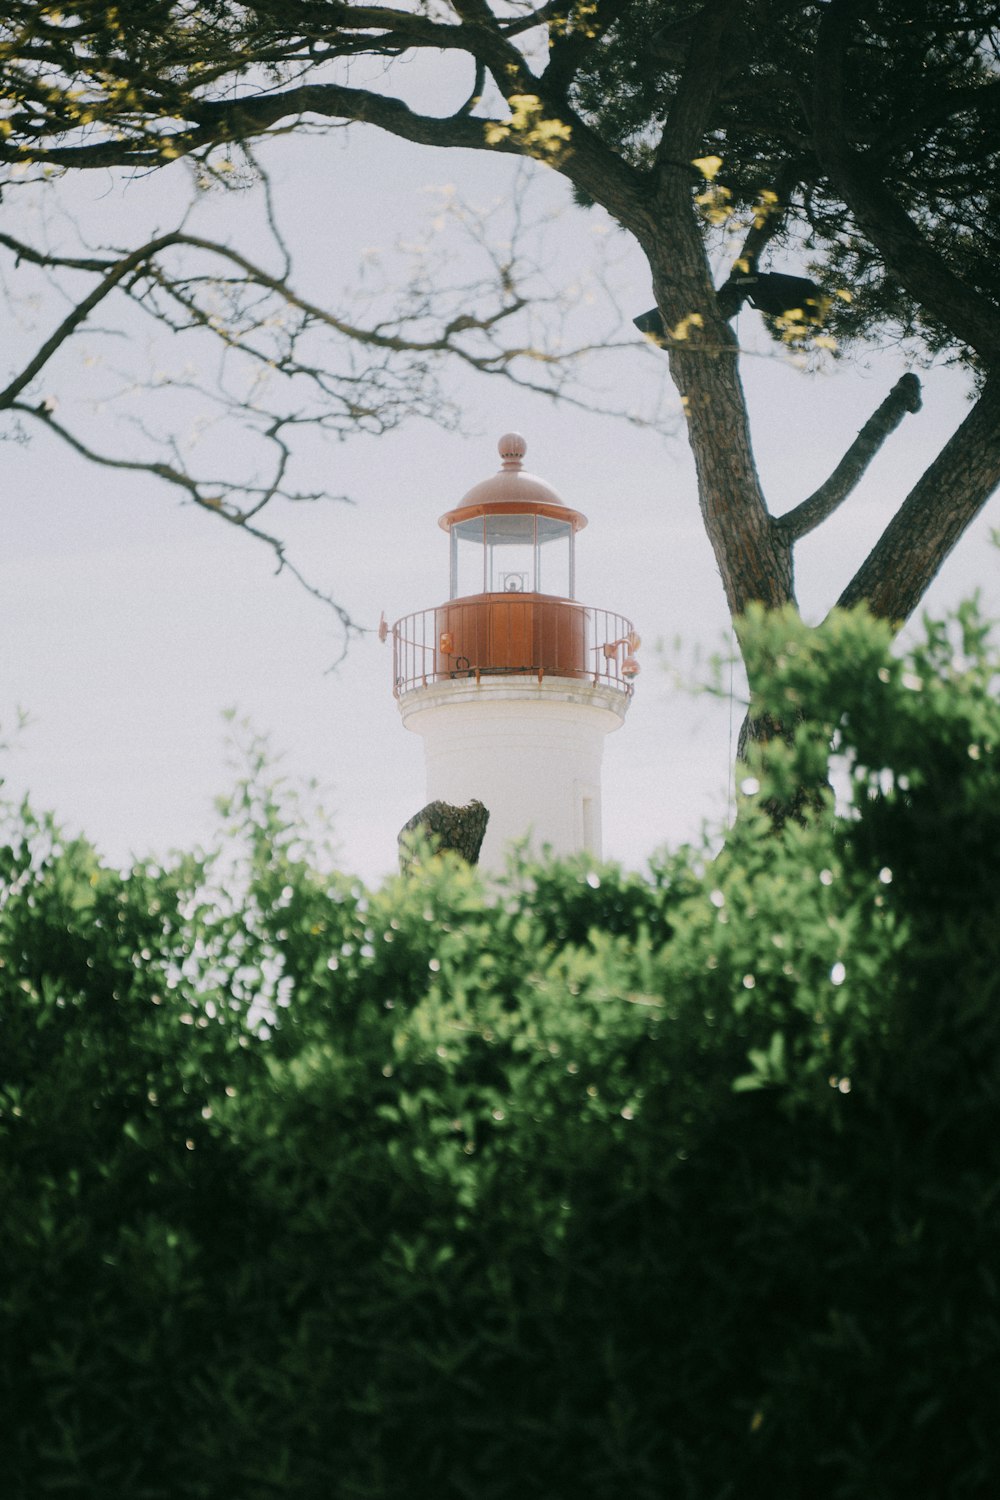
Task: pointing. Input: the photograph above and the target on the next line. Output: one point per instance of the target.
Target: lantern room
(512, 534)
(512, 609)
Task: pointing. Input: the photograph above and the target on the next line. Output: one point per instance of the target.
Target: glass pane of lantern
(510, 554)
(467, 558)
(555, 557)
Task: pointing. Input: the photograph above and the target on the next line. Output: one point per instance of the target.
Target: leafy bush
(587, 1184)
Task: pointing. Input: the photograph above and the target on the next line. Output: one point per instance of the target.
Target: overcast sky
(129, 622)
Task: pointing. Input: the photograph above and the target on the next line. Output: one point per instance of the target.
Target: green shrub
(585, 1185)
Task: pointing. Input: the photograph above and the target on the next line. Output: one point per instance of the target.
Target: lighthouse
(513, 684)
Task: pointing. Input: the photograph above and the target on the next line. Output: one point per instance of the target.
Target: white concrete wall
(530, 751)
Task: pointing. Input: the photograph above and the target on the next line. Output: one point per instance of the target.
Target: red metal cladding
(513, 633)
(504, 635)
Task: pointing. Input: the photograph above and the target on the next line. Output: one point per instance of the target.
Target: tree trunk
(459, 829)
(753, 556)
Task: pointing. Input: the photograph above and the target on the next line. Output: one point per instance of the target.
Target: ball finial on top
(512, 449)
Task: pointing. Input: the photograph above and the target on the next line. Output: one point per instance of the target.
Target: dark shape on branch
(773, 293)
(460, 829)
(778, 295)
(732, 294)
(651, 324)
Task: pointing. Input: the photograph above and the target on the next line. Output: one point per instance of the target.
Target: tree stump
(460, 829)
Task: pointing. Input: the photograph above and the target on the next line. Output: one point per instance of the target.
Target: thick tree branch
(904, 397)
(147, 136)
(483, 37)
(569, 50)
(943, 503)
(698, 86)
(755, 83)
(476, 95)
(253, 115)
(766, 225)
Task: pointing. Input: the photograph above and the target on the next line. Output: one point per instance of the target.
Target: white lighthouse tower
(512, 684)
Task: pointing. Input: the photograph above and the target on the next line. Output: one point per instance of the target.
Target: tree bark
(754, 559)
(932, 518)
(904, 397)
(458, 829)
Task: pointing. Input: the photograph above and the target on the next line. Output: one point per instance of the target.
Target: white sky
(129, 622)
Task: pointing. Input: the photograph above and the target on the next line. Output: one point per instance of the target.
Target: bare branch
(274, 378)
(80, 313)
(23, 251)
(904, 397)
(198, 493)
(945, 500)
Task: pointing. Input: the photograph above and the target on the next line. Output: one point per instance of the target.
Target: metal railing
(504, 635)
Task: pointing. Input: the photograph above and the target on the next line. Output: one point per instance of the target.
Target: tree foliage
(589, 1183)
(855, 140)
(900, 98)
